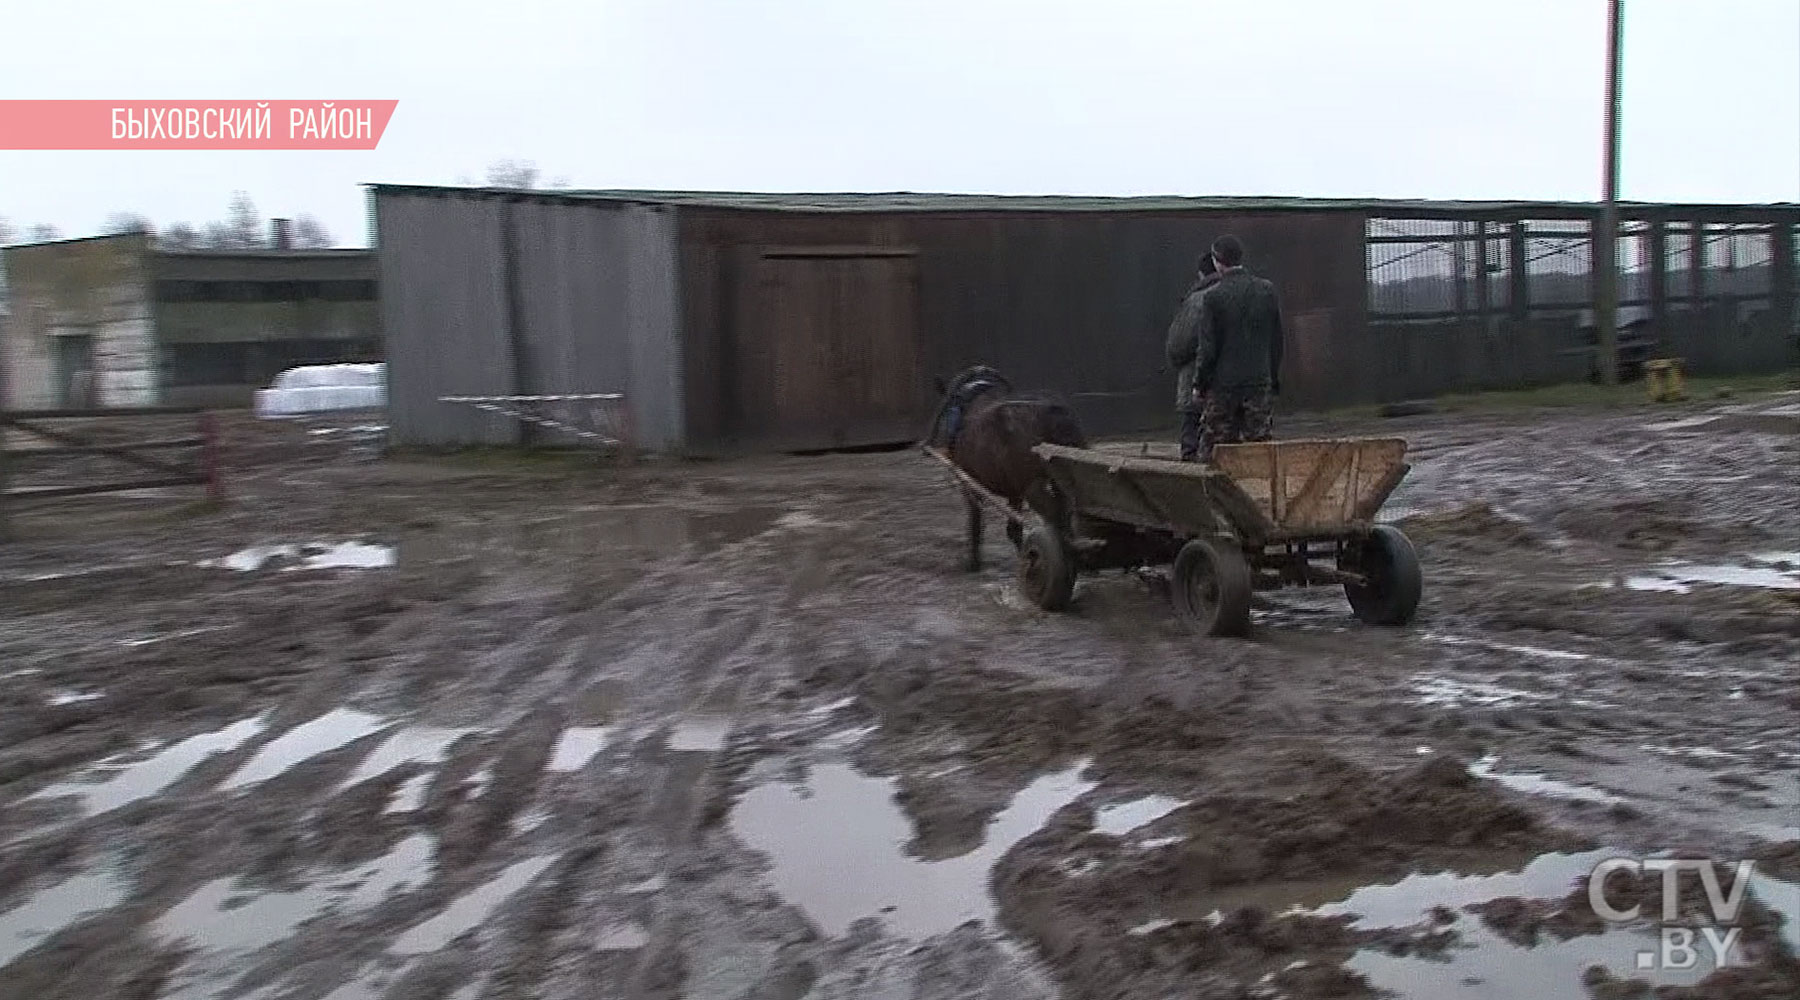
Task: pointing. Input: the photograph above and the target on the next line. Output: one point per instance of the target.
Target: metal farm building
(753, 322)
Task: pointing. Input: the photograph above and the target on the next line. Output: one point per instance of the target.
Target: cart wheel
(1211, 587)
(1046, 573)
(1395, 584)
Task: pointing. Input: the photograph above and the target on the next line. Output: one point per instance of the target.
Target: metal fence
(1435, 269)
(1490, 300)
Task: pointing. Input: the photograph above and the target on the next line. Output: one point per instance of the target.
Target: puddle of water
(479, 781)
(622, 937)
(1539, 784)
(837, 848)
(342, 555)
(142, 780)
(407, 866)
(1698, 753)
(1768, 570)
(799, 519)
(417, 745)
(361, 988)
(1507, 971)
(1123, 818)
(1431, 689)
(322, 735)
(528, 821)
(1150, 927)
(219, 918)
(61, 698)
(1650, 583)
(1784, 898)
(225, 920)
(847, 738)
(1485, 965)
(151, 640)
(578, 746)
(1537, 651)
(410, 796)
(699, 734)
(55, 908)
(470, 911)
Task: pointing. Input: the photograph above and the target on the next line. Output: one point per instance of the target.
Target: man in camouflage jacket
(1237, 364)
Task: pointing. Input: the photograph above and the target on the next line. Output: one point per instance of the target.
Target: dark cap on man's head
(1228, 251)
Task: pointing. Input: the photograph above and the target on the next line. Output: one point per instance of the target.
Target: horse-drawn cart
(1271, 514)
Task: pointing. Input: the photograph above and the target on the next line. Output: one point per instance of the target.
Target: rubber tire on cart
(1046, 570)
(1395, 583)
(1211, 587)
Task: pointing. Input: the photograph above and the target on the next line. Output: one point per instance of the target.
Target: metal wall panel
(653, 324)
(573, 285)
(491, 295)
(443, 317)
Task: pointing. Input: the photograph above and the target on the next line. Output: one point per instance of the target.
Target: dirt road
(500, 729)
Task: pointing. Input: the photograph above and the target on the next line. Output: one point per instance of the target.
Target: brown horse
(988, 432)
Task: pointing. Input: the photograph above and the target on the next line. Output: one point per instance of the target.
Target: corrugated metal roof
(906, 201)
(330, 252)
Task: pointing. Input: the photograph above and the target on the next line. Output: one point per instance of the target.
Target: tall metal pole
(1606, 236)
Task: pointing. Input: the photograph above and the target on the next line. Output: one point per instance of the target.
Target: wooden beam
(117, 451)
(14, 416)
(1330, 468)
(103, 449)
(51, 492)
(981, 492)
(1384, 488)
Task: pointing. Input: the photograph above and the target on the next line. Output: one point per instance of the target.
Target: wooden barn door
(829, 357)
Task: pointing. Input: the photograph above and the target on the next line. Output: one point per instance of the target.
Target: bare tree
(243, 228)
(520, 174)
(310, 233)
(44, 232)
(120, 223)
(179, 236)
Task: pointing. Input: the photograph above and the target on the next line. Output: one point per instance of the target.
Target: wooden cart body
(1261, 493)
(1275, 513)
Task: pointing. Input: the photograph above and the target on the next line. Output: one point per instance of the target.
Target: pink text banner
(193, 124)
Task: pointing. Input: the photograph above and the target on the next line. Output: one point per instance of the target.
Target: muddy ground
(493, 728)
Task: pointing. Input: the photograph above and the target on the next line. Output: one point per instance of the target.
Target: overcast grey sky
(1379, 98)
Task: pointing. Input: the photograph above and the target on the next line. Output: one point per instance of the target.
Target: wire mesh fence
(1436, 269)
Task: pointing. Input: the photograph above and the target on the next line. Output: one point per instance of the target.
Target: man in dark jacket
(1238, 366)
(1183, 349)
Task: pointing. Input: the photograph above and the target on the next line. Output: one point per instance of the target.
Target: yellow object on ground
(1662, 376)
